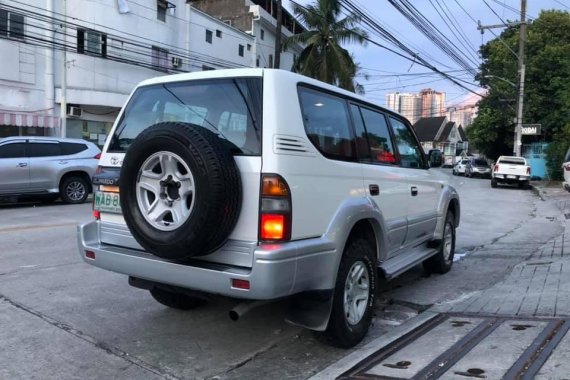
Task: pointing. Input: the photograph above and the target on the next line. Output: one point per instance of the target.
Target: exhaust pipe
(244, 307)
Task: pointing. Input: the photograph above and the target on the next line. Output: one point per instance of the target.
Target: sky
(389, 73)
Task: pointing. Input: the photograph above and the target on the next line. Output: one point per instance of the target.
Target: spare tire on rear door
(180, 190)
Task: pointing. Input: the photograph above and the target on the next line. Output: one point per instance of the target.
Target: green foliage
(547, 89)
(556, 151)
(324, 58)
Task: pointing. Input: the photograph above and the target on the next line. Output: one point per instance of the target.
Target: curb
(341, 366)
(538, 191)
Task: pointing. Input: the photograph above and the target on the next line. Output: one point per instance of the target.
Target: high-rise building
(428, 103)
(462, 115)
(433, 103)
(406, 104)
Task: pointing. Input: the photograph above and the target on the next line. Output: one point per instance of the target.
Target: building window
(262, 35)
(257, 61)
(159, 58)
(248, 47)
(208, 36)
(218, 33)
(11, 24)
(270, 61)
(207, 68)
(240, 50)
(91, 42)
(161, 6)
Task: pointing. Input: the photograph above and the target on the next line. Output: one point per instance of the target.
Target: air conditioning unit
(74, 111)
(176, 61)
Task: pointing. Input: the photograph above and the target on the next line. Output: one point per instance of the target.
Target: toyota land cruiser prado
(262, 184)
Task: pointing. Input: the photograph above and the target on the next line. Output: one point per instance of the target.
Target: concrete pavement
(534, 295)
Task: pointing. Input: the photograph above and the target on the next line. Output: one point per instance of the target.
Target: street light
(518, 127)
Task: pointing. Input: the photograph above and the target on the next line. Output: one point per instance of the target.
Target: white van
(261, 184)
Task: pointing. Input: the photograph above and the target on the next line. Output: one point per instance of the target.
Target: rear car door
(423, 189)
(384, 180)
(14, 166)
(45, 163)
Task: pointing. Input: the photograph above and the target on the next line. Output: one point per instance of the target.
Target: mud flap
(310, 310)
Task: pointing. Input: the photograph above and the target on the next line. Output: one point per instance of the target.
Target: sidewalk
(536, 294)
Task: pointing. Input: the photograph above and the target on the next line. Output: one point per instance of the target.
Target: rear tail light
(275, 209)
(97, 156)
(528, 170)
(90, 255)
(97, 214)
(496, 169)
(240, 284)
(567, 167)
(98, 170)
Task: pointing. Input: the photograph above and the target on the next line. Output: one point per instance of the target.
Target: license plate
(510, 176)
(107, 202)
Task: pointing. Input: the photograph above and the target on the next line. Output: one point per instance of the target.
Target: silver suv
(48, 167)
(263, 184)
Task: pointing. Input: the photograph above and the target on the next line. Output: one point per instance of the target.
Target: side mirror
(435, 159)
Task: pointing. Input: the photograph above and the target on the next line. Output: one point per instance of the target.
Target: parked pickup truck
(511, 170)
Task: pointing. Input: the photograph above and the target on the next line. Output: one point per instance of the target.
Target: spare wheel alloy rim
(165, 191)
(356, 292)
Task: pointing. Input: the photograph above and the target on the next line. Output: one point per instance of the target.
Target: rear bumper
(516, 179)
(278, 270)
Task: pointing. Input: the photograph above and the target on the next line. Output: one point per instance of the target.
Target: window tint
(480, 162)
(231, 108)
(72, 148)
(43, 149)
(326, 122)
(410, 152)
(512, 161)
(381, 146)
(14, 150)
(362, 147)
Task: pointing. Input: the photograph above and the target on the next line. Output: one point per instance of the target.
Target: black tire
(216, 183)
(74, 190)
(523, 185)
(176, 300)
(493, 182)
(340, 332)
(442, 262)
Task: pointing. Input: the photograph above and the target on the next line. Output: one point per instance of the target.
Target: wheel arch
(77, 173)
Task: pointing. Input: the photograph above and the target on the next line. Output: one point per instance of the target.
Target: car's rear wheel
(443, 260)
(176, 300)
(74, 190)
(493, 182)
(354, 295)
(180, 190)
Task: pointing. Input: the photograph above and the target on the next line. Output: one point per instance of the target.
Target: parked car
(511, 170)
(459, 167)
(47, 167)
(477, 167)
(566, 170)
(260, 184)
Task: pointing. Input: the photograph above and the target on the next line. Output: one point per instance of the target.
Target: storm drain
(461, 346)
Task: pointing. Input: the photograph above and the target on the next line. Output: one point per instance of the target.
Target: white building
(462, 115)
(111, 45)
(406, 104)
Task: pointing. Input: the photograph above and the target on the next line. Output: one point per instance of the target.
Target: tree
(324, 58)
(547, 89)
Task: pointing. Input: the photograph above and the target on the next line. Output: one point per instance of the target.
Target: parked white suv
(261, 184)
(566, 170)
(47, 167)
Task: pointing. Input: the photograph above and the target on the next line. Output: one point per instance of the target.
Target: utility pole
(63, 101)
(521, 66)
(277, 61)
(521, 74)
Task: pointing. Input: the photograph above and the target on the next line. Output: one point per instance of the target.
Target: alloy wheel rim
(165, 191)
(356, 293)
(75, 191)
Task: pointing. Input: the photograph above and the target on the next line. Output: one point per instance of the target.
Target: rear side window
(36, 149)
(410, 152)
(14, 150)
(379, 138)
(480, 163)
(231, 108)
(512, 161)
(327, 124)
(72, 148)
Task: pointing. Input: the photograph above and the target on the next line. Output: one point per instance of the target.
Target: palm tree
(324, 58)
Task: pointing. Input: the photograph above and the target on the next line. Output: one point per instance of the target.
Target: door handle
(22, 165)
(414, 191)
(374, 189)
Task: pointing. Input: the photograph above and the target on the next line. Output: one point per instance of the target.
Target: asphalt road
(63, 319)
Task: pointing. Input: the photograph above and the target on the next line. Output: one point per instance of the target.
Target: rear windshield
(231, 108)
(512, 161)
(480, 163)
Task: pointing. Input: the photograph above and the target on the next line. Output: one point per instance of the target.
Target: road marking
(37, 227)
